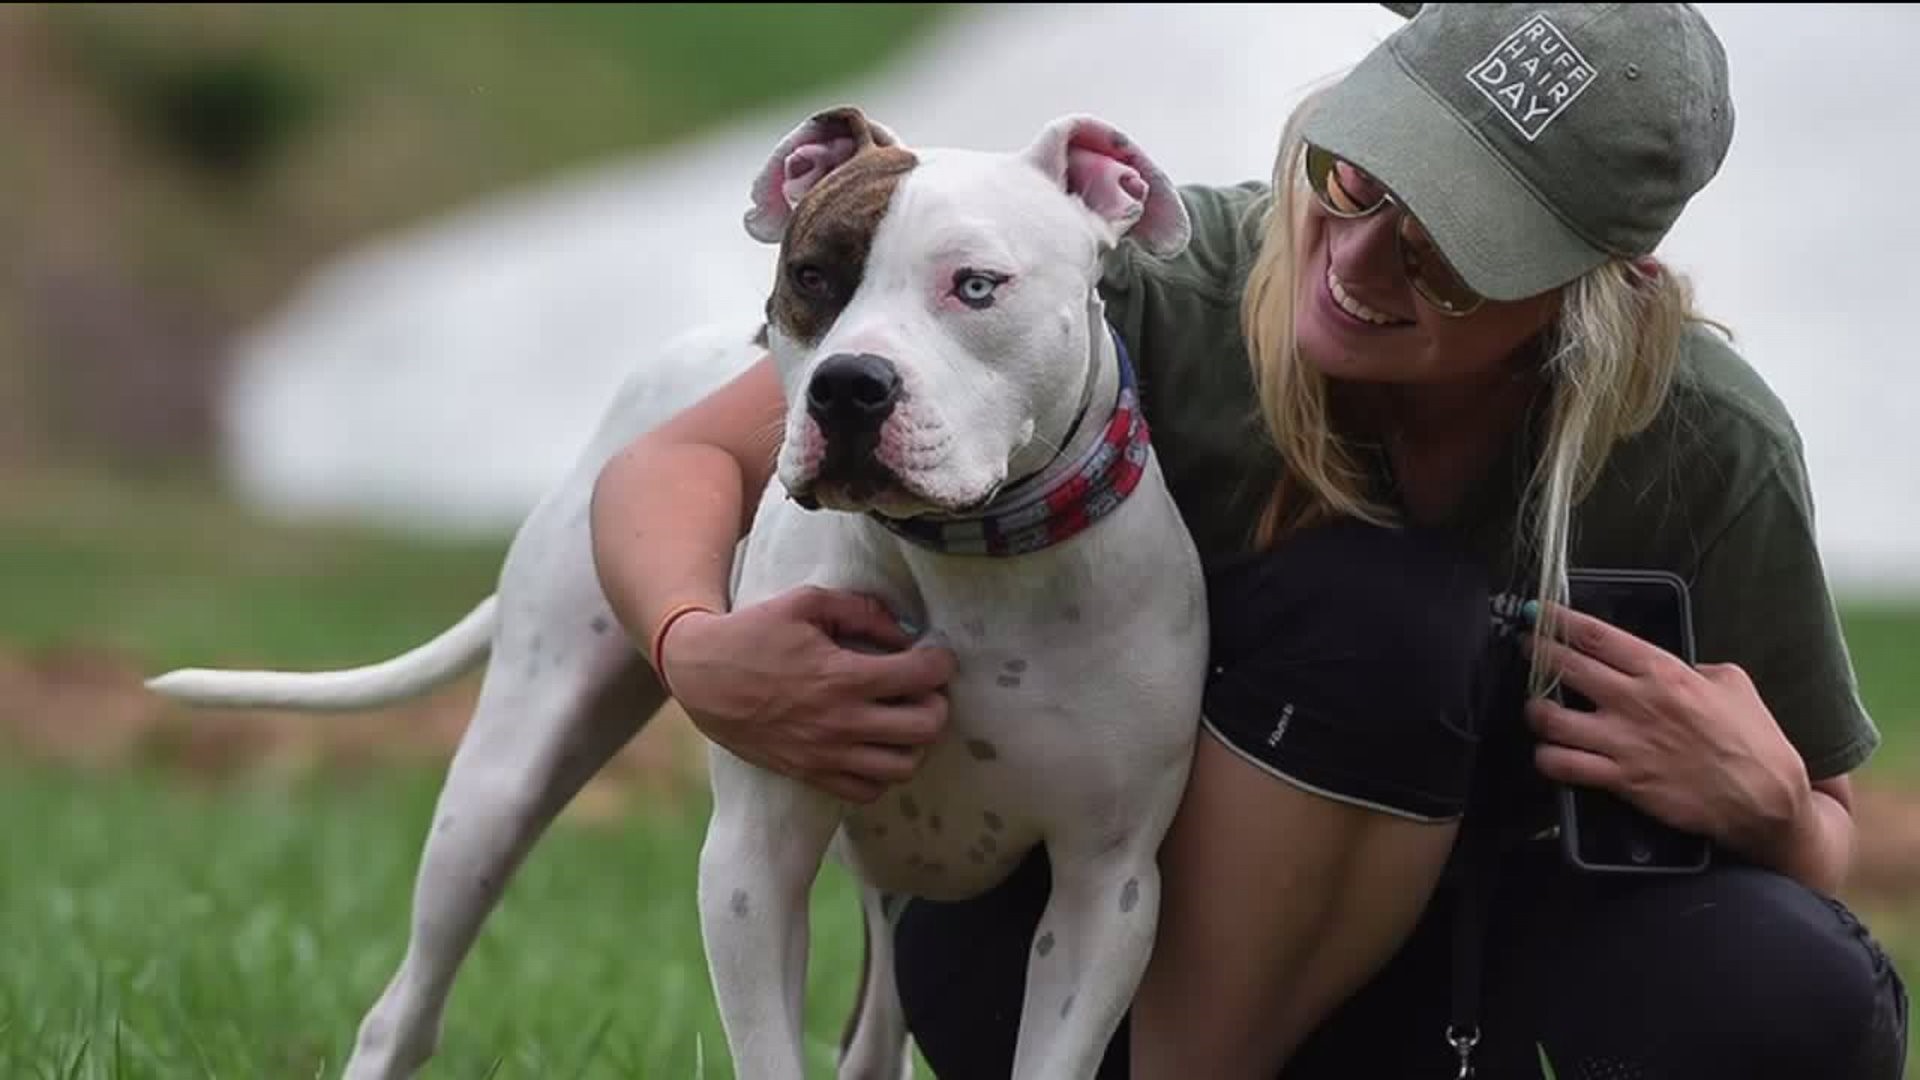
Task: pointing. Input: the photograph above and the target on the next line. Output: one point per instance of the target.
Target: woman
(1398, 393)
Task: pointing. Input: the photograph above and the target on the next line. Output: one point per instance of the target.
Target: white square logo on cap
(1532, 76)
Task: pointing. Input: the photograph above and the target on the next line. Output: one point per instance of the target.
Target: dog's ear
(822, 143)
(1107, 171)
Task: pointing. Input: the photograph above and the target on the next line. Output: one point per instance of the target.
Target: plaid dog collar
(1026, 519)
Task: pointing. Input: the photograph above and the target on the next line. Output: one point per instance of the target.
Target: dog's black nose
(853, 390)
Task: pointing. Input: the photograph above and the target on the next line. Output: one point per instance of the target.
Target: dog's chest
(995, 784)
(1041, 740)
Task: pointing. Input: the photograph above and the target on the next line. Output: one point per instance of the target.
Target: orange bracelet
(660, 637)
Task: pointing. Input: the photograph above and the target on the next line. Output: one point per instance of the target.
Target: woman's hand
(776, 684)
(1692, 746)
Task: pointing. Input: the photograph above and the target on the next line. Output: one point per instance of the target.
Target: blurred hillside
(171, 171)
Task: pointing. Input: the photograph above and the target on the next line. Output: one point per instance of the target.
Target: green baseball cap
(1535, 141)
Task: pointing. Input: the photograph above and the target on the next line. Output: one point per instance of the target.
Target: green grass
(1884, 639)
(170, 576)
(154, 929)
(156, 926)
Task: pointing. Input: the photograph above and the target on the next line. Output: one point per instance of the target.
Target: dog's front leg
(1087, 956)
(1094, 939)
(764, 846)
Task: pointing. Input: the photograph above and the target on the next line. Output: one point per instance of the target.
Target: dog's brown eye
(811, 281)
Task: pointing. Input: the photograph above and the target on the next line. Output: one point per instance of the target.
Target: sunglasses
(1344, 190)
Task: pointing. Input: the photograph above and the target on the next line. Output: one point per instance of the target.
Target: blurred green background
(224, 896)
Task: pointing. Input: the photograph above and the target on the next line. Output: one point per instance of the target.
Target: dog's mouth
(849, 476)
(874, 489)
(853, 496)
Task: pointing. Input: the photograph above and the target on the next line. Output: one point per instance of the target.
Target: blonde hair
(1610, 361)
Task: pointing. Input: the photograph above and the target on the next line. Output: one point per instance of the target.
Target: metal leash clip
(1463, 1045)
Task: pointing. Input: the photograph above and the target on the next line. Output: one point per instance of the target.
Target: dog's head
(930, 313)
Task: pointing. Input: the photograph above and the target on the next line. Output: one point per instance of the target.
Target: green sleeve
(1179, 317)
(1184, 309)
(1761, 600)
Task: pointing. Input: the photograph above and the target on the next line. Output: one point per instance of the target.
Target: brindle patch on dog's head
(824, 253)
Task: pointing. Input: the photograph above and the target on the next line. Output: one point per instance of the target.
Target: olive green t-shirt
(1715, 490)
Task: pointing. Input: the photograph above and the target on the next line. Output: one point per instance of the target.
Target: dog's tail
(407, 675)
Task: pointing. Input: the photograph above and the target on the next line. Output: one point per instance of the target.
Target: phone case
(1698, 852)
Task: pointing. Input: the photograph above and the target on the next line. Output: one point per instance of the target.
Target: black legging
(1735, 974)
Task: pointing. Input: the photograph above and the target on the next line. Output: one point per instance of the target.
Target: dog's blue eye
(975, 288)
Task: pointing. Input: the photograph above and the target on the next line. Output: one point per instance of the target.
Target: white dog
(965, 442)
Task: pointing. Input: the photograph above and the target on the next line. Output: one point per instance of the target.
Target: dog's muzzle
(850, 397)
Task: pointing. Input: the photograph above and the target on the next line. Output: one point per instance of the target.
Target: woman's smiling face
(1359, 315)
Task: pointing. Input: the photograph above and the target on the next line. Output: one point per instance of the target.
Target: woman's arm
(769, 682)
(1817, 846)
(670, 507)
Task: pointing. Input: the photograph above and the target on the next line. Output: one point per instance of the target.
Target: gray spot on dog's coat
(1066, 1007)
(982, 750)
(1129, 896)
(975, 628)
(933, 822)
(1045, 944)
(740, 904)
(993, 821)
(988, 843)
(601, 625)
(1071, 613)
(908, 808)
(1016, 665)
(1008, 681)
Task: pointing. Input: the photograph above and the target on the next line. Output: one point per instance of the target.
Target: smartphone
(1599, 831)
